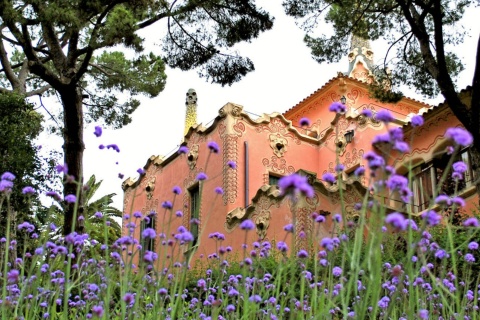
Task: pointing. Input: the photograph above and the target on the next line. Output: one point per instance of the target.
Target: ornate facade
(266, 148)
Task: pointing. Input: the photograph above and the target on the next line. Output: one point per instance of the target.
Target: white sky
(285, 74)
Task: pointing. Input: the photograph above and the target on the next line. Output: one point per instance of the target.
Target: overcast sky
(284, 75)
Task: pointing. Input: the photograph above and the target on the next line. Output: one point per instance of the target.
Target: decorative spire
(360, 59)
(191, 110)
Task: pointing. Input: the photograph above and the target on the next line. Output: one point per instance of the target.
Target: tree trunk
(73, 148)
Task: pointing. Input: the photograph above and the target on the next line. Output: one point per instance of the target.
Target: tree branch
(12, 78)
(39, 91)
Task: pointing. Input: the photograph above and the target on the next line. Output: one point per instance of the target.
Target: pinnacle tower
(191, 110)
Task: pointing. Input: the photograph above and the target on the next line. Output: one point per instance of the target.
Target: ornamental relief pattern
(230, 153)
(353, 157)
(438, 121)
(151, 205)
(303, 209)
(278, 165)
(276, 126)
(262, 215)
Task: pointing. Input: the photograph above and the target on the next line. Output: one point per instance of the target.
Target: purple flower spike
(232, 164)
(61, 168)
(337, 107)
(28, 191)
(218, 190)
(114, 147)
(396, 220)
(304, 122)
(417, 121)
(432, 218)
(288, 228)
(12, 276)
(384, 116)
(129, 298)
(149, 233)
(140, 171)
(460, 136)
(167, 205)
(282, 246)
(177, 190)
(302, 254)
(98, 131)
(98, 311)
(328, 177)
(473, 245)
(360, 171)
(8, 176)
(70, 198)
(459, 167)
(471, 222)
(367, 113)
(213, 146)
(294, 185)
(339, 167)
(201, 176)
(182, 150)
(247, 225)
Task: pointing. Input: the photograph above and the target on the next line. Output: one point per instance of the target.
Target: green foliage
(20, 126)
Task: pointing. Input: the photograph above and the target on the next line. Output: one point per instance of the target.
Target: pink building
(274, 145)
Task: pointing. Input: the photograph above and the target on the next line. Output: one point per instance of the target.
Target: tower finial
(360, 59)
(191, 110)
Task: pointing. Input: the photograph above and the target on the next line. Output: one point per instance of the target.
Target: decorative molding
(278, 144)
(192, 156)
(278, 165)
(150, 187)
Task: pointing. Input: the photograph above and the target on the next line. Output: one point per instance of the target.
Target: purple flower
(423, 314)
(167, 205)
(121, 175)
(417, 121)
(295, 184)
(328, 177)
(381, 138)
(396, 220)
(432, 218)
(367, 113)
(98, 215)
(288, 227)
(337, 271)
(231, 164)
(360, 171)
(8, 176)
(458, 201)
(218, 190)
(150, 256)
(339, 167)
(327, 243)
(397, 182)
(384, 116)
(179, 214)
(230, 308)
(473, 245)
(443, 200)
(471, 222)
(320, 219)
(201, 176)
(469, 258)
(149, 233)
(129, 298)
(27, 226)
(12, 276)
(140, 171)
(337, 217)
(183, 150)
(213, 146)
(401, 146)
(383, 303)
(28, 190)
(70, 198)
(101, 146)
(282, 246)
(255, 298)
(61, 168)
(459, 167)
(6, 185)
(247, 225)
(186, 236)
(98, 131)
(441, 254)
(98, 311)
(177, 190)
(337, 107)
(302, 254)
(460, 136)
(304, 122)
(114, 147)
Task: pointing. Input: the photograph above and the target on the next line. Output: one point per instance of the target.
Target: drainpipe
(247, 200)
